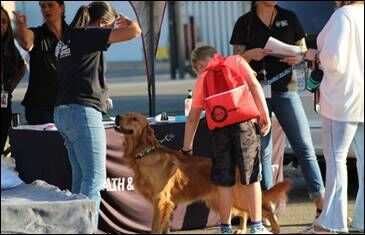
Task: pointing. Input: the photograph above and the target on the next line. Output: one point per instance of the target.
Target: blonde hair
(345, 3)
(201, 53)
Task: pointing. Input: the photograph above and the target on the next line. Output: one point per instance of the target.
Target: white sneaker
(225, 230)
(260, 230)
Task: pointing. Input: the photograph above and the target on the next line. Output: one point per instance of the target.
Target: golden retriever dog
(167, 177)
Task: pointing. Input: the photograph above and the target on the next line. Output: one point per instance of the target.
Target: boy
(232, 145)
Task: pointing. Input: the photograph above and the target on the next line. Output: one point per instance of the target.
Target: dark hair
(89, 14)
(7, 42)
(61, 3)
(252, 13)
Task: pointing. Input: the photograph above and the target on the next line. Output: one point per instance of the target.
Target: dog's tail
(276, 194)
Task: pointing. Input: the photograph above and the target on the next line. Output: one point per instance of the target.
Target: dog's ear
(148, 135)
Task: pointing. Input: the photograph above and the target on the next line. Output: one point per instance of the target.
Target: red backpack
(227, 97)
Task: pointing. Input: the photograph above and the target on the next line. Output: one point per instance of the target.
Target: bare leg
(225, 204)
(319, 204)
(255, 196)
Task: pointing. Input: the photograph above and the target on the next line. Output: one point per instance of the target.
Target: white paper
(281, 49)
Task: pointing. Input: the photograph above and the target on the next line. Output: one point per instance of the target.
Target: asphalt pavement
(299, 211)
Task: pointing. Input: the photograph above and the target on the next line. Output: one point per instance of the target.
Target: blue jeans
(337, 137)
(289, 111)
(36, 116)
(358, 218)
(83, 131)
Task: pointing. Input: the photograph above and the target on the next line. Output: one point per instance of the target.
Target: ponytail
(89, 14)
(82, 18)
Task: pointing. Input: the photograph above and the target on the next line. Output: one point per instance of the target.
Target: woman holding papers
(341, 55)
(249, 37)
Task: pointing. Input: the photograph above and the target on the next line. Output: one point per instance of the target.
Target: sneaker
(259, 230)
(225, 230)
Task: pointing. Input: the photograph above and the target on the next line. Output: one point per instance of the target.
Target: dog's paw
(239, 231)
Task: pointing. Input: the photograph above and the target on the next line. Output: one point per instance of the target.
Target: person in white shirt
(341, 55)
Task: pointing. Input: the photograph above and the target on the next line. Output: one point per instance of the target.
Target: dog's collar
(146, 151)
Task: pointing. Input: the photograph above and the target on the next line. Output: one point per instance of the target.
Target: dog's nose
(117, 119)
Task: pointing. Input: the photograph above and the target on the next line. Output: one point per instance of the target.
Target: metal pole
(152, 54)
(179, 40)
(172, 39)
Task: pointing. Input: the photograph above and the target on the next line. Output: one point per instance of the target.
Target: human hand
(122, 21)
(292, 60)
(258, 53)
(20, 19)
(265, 125)
(310, 54)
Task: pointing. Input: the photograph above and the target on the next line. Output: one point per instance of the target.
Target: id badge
(267, 91)
(4, 99)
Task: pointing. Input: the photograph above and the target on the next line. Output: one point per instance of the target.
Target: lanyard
(281, 75)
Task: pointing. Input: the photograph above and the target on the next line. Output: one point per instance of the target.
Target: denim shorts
(233, 146)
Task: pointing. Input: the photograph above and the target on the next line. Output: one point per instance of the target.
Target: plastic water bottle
(188, 101)
(301, 73)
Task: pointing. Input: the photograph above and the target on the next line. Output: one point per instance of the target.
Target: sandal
(323, 231)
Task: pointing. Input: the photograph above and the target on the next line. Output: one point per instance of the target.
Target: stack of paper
(281, 49)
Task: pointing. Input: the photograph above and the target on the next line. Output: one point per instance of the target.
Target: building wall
(214, 21)
(214, 24)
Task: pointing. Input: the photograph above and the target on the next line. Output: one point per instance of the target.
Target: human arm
(126, 30)
(191, 126)
(14, 81)
(258, 96)
(252, 54)
(24, 36)
(334, 43)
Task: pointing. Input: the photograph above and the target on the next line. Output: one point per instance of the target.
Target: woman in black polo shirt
(249, 37)
(81, 96)
(41, 42)
(12, 70)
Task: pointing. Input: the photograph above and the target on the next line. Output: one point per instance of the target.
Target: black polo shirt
(41, 92)
(251, 32)
(81, 68)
